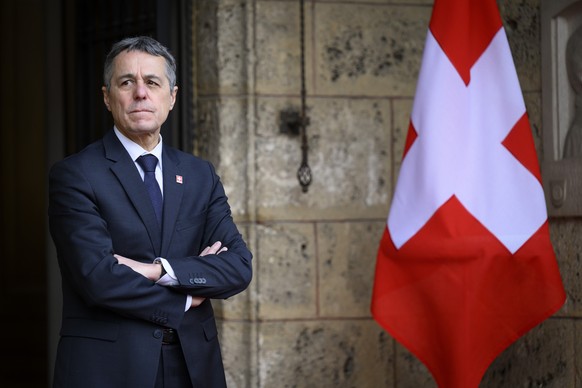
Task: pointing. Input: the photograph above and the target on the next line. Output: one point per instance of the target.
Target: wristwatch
(158, 260)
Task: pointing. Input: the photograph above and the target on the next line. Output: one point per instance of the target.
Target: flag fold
(465, 266)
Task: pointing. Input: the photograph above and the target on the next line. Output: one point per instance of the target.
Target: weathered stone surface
(544, 357)
(305, 321)
(521, 20)
(207, 139)
(534, 111)
(286, 273)
(278, 45)
(346, 353)
(221, 44)
(240, 306)
(347, 258)
(237, 342)
(206, 38)
(368, 49)
(232, 46)
(410, 371)
(222, 138)
(566, 238)
(577, 360)
(349, 155)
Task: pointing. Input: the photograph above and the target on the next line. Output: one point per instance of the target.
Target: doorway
(51, 106)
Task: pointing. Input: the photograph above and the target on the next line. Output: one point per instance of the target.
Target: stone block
(577, 367)
(232, 46)
(286, 273)
(410, 371)
(365, 49)
(206, 55)
(534, 111)
(233, 149)
(315, 354)
(238, 348)
(521, 20)
(566, 238)
(221, 47)
(544, 357)
(239, 306)
(207, 139)
(278, 47)
(347, 259)
(222, 138)
(349, 155)
(235, 307)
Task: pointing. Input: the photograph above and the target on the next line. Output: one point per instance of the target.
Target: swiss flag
(465, 266)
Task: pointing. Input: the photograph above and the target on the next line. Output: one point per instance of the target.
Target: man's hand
(197, 301)
(151, 271)
(214, 249)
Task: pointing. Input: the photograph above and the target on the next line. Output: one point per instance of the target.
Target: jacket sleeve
(216, 276)
(85, 251)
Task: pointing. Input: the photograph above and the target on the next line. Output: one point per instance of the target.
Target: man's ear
(173, 94)
(106, 97)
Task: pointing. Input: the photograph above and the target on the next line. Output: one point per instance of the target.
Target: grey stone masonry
(305, 320)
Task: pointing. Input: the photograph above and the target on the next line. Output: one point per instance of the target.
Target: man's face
(139, 98)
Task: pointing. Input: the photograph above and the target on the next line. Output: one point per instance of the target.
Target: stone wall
(305, 320)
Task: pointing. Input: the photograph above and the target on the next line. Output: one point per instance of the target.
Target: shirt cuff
(188, 302)
(169, 279)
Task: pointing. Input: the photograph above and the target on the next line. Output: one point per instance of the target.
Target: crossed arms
(154, 271)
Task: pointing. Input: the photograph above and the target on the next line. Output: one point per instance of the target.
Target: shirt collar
(135, 150)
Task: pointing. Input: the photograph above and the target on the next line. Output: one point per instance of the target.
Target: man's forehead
(137, 60)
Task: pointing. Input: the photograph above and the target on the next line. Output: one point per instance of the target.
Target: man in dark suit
(137, 275)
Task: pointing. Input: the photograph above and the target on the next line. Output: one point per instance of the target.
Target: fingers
(122, 259)
(214, 249)
(196, 301)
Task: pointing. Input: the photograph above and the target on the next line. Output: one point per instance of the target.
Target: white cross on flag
(465, 266)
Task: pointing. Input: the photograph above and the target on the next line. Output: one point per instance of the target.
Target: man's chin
(144, 127)
(140, 130)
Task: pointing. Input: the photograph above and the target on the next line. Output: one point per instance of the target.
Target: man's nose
(140, 90)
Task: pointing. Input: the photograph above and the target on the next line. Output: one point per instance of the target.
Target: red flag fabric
(465, 266)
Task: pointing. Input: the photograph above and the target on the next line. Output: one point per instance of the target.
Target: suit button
(197, 280)
(158, 333)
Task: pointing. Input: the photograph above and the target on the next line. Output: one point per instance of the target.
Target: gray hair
(144, 44)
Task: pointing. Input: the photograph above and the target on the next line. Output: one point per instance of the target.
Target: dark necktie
(148, 162)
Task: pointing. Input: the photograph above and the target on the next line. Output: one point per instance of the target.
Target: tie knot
(148, 162)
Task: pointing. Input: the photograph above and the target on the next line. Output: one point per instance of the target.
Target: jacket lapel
(173, 192)
(128, 176)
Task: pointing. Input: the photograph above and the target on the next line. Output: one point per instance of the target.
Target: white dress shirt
(135, 151)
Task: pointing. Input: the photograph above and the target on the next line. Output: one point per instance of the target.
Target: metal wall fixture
(295, 123)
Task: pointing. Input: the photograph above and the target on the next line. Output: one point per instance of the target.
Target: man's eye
(152, 83)
(126, 82)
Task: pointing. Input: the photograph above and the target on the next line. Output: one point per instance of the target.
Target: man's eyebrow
(127, 75)
(153, 77)
(147, 76)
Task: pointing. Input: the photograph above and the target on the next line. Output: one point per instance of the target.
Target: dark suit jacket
(113, 316)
